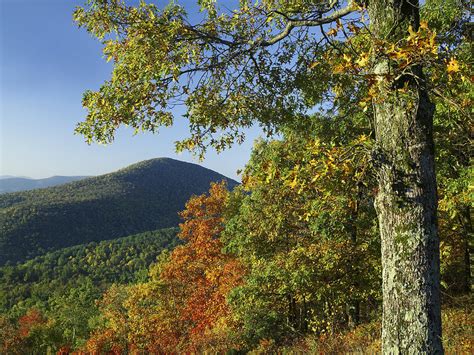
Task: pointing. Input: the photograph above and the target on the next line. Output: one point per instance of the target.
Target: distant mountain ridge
(142, 197)
(14, 184)
(11, 176)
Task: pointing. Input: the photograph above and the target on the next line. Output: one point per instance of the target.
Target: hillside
(142, 197)
(14, 184)
(123, 260)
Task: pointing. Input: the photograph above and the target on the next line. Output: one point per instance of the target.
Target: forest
(63, 287)
(351, 231)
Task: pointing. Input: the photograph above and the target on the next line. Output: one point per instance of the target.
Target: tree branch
(306, 23)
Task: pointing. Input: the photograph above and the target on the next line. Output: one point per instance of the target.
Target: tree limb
(306, 23)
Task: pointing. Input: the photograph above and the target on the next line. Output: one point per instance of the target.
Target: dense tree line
(63, 286)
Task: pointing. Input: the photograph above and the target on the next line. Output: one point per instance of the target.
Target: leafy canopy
(230, 68)
(238, 63)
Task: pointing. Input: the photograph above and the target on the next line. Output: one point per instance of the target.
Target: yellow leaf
(453, 66)
(411, 31)
(363, 105)
(315, 177)
(434, 47)
(363, 60)
(332, 32)
(400, 55)
(338, 69)
(293, 183)
(392, 49)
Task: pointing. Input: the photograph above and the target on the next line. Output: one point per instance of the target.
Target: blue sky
(46, 63)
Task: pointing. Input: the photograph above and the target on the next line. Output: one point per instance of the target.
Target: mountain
(142, 197)
(11, 176)
(13, 184)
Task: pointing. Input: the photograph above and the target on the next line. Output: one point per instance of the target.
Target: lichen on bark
(407, 200)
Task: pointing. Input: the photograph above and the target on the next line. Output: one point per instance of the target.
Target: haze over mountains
(11, 176)
(10, 183)
(142, 197)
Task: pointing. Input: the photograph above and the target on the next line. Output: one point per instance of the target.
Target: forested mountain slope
(14, 184)
(142, 197)
(124, 260)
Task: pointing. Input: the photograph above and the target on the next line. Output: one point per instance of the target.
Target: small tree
(203, 274)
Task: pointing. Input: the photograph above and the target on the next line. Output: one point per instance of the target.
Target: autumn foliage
(202, 273)
(184, 305)
(33, 318)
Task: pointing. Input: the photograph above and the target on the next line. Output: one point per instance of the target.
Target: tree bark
(406, 202)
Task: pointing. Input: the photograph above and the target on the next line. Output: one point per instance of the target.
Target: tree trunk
(406, 202)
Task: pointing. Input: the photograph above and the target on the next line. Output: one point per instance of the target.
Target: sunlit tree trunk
(406, 203)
